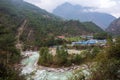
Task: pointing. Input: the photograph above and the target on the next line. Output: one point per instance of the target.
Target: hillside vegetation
(25, 25)
(41, 27)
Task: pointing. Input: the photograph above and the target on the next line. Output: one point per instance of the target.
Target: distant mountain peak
(78, 12)
(67, 3)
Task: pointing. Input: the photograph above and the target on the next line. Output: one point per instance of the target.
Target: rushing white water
(32, 71)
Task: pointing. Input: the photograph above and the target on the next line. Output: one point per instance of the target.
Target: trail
(30, 32)
(20, 31)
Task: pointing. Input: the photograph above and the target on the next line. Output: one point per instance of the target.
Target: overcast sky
(108, 6)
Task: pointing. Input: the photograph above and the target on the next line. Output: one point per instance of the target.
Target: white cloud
(111, 7)
(48, 5)
(107, 6)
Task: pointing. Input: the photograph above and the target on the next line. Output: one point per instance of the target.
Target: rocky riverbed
(35, 72)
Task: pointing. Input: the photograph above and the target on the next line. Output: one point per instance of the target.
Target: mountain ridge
(77, 12)
(114, 27)
(41, 27)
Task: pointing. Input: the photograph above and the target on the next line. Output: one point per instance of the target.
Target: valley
(70, 43)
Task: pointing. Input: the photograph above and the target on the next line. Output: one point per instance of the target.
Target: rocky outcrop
(114, 27)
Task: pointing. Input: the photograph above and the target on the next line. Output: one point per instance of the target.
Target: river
(34, 72)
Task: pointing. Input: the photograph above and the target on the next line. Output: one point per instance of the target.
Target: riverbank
(34, 71)
(28, 54)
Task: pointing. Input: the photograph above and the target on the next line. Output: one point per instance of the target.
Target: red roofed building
(61, 37)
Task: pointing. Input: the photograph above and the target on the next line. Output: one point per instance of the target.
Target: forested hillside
(92, 27)
(24, 26)
(9, 56)
(41, 27)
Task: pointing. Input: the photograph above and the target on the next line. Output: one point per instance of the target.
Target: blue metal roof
(86, 42)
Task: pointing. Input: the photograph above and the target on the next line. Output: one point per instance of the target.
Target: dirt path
(20, 31)
(30, 32)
